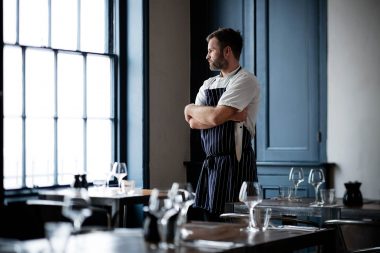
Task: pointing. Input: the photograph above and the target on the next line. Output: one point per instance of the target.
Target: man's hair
(228, 37)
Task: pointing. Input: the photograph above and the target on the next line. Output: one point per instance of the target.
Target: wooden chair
(354, 236)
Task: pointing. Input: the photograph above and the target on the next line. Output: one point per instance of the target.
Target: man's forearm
(209, 115)
(194, 124)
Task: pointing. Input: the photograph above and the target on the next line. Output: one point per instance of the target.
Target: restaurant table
(290, 208)
(110, 198)
(204, 237)
(370, 209)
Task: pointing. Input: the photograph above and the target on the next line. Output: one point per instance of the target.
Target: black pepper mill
(84, 183)
(353, 195)
(150, 228)
(77, 183)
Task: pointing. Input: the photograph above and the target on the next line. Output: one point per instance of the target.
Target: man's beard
(218, 64)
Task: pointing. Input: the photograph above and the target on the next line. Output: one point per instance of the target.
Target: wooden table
(116, 202)
(224, 237)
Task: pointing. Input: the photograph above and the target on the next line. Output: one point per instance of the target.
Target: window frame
(112, 28)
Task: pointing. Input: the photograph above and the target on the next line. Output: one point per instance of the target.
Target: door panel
(287, 69)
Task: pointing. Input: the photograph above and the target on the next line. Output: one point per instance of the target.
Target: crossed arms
(204, 117)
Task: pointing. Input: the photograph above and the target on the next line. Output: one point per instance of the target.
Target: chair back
(355, 235)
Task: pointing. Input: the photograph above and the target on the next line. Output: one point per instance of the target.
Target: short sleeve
(201, 96)
(240, 92)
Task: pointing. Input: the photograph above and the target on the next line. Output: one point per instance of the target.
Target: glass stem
(77, 225)
(295, 191)
(251, 218)
(316, 194)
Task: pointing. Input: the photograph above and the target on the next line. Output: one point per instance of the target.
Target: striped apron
(222, 174)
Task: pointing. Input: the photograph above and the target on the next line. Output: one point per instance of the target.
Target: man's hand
(240, 116)
(187, 112)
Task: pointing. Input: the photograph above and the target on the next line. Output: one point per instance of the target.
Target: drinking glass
(316, 178)
(77, 207)
(119, 170)
(251, 194)
(328, 196)
(296, 176)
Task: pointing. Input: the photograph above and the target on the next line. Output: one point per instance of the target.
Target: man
(225, 111)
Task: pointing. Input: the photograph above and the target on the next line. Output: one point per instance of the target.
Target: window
(59, 88)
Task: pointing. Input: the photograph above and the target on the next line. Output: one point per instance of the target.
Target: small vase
(352, 196)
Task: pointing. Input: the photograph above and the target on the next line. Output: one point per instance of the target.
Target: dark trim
(323, 79)
(121, 89)
(2, 116)
(293, 164)
(146, 98)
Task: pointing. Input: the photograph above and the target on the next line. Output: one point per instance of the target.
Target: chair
(50, 210)
(355, 235)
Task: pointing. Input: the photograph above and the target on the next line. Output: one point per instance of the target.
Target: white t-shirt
(242, 90)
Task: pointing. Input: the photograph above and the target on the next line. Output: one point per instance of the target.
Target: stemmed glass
(76, 207)
(251, 194)
(119, 170)
(316, 178)
(296, 176)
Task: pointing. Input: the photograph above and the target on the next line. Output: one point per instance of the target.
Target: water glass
(285, 192)
(328, 196)
(262, 218)
(129, 186)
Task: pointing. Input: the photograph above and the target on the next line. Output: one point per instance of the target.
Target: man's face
(215, 55)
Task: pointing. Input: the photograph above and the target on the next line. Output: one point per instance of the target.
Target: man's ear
(227, 51)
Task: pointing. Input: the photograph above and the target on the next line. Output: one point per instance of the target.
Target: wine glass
(119, 170)
(296, 176)
(316, 178)
(76, 207)
(251, 194)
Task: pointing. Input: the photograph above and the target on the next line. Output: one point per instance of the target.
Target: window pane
(9, 21)
(34, 22)
(98, 86)
(64, 25)
(70, 149)
(12, 81)
(93, 26)
(99, 149)
(12, 153)
(39, 83)
(70, 85)
(39, 152)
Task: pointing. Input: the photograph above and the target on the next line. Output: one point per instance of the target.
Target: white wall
(169, 90)
(354, 93)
